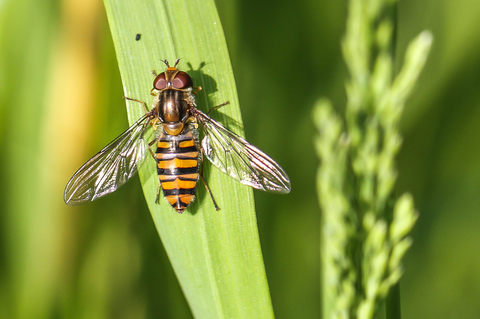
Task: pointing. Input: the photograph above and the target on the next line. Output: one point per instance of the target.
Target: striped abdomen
(178, 168)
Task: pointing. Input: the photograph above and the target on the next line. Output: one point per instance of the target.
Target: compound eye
(182, 80)
(160, 82)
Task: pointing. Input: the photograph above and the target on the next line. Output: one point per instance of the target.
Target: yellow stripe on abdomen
(177, 163)
(179, 183)
(178, 169)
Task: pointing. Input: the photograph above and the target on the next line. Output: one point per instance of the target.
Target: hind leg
(205, 183)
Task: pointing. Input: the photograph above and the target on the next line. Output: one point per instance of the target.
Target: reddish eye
(160, 83)
(182, 80)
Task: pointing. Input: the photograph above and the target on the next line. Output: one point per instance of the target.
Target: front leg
(135, 100)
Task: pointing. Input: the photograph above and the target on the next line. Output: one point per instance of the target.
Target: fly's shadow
(205, 100)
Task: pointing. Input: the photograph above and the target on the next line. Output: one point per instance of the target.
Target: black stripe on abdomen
(178, 168)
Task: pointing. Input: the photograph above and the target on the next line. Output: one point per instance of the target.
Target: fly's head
(172, 78)
(174, 98)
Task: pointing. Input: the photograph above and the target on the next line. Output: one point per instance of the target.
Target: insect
(138, 36)
(179, 152)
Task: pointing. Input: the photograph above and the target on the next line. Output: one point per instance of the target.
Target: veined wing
(239, 159)
(110, 168)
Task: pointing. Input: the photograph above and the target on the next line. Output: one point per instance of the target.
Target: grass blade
(216, 255)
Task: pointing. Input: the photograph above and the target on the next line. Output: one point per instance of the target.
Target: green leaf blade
(216, 255)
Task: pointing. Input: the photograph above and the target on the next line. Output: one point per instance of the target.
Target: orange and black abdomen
(178, 168)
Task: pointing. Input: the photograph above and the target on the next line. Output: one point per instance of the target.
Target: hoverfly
(179, 153)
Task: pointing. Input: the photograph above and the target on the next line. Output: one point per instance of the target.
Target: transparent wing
(239, 159)
(110, 168)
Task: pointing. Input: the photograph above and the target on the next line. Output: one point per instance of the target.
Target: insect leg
(135, 100)
(149, 148)
(158, 194)
(218, 106)
(197, 90)
(155, 158)
(208, 188)
(154, 73)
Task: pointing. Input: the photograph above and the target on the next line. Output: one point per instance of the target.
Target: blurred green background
(61, 101)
